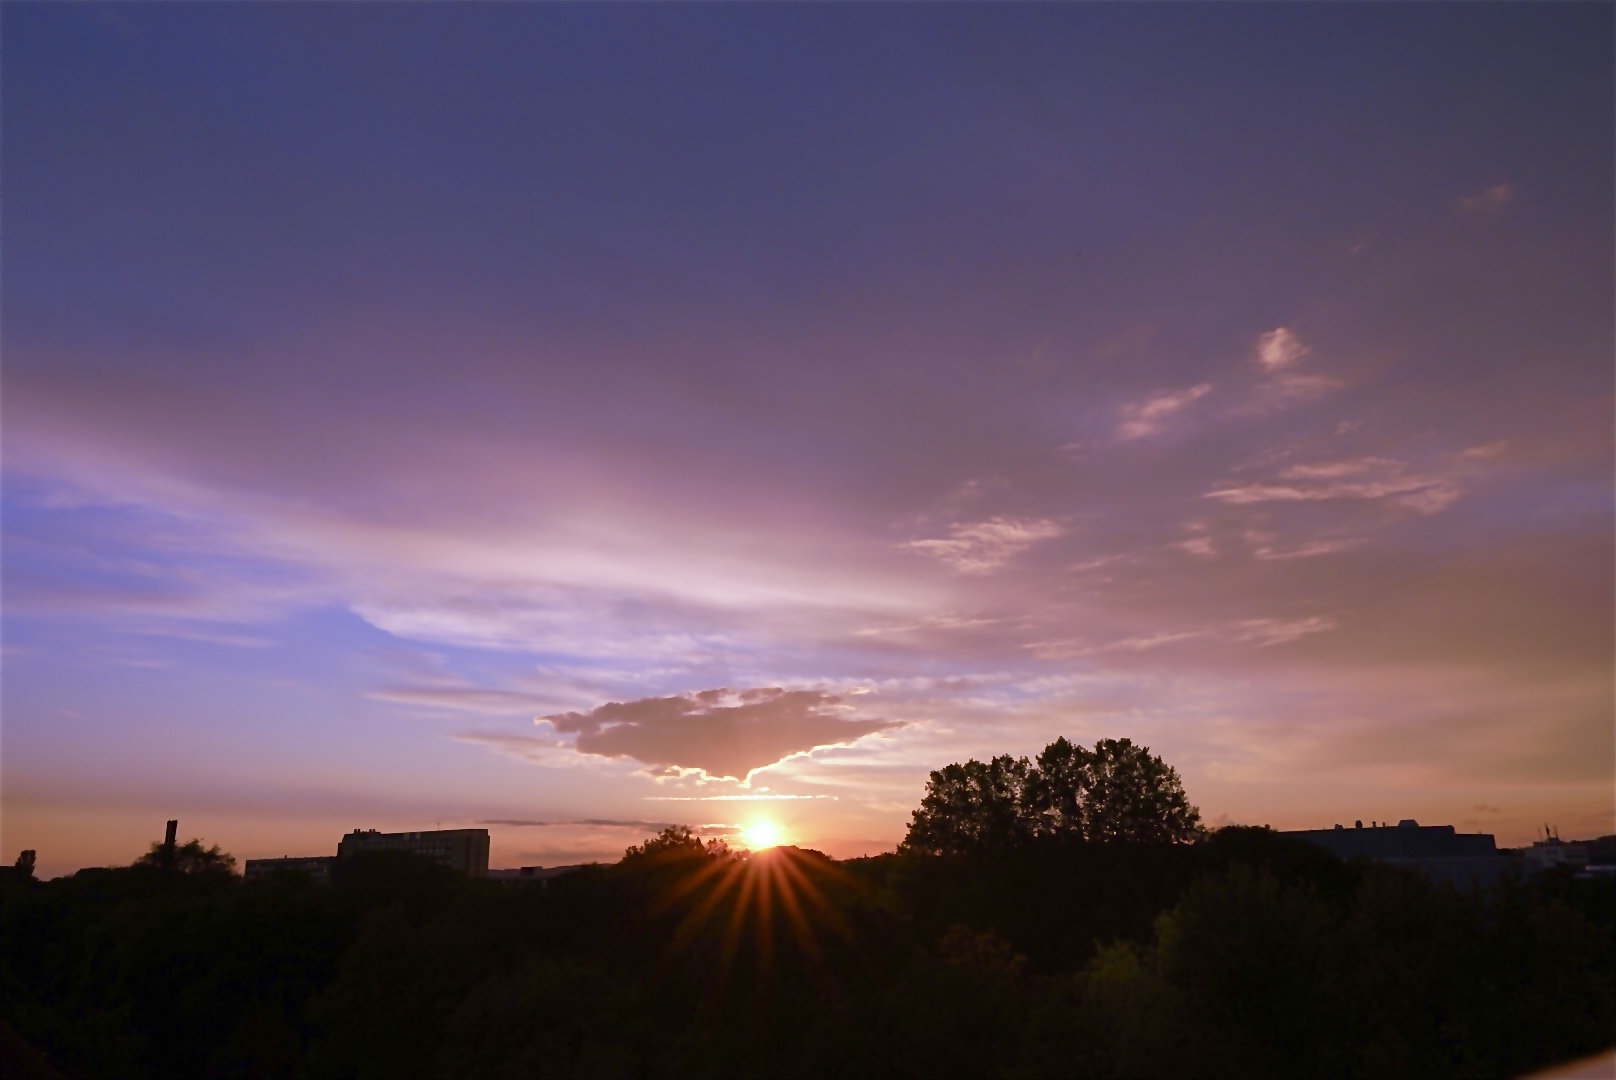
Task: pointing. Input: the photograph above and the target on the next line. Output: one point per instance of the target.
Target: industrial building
(462, 850)
(465, 850)
(1440, 851)
(530, 873)
(317, 867)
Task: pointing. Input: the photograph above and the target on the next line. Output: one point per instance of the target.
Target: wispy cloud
(1151, 415)
(1488, 201)
(985, 546)
(1487, 451)
(1280, 353)
(757, 797)
(1257, 633)
(1279, 349)
(603, 823)
(1266, 632)
(538, 749)
(1288, 388)
(945, 621)
(1368, 478)
(459, 699)
(1152, 641)
(211, 637)
(1309, 550)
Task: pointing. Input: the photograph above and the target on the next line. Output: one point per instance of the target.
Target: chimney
(168, 841)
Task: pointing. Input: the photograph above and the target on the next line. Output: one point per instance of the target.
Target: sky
(575, 419)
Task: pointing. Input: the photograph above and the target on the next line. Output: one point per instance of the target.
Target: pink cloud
(1366, 479)
(715, 732)
(1488, 201)
(985, 546)
(1279, 349)
(1151, 415)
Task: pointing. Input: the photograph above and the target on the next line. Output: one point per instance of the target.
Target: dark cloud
(716, 731)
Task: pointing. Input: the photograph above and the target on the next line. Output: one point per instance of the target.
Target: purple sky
(580, 418)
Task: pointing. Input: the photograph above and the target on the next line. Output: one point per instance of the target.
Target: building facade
(317, 867)
(1441, 852)
(531, 873)
(463, 850)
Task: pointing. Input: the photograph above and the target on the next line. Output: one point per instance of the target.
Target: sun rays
(759, 896)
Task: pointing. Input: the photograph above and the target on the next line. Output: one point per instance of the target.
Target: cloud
(1487, 451)
(211, 637)
(1287, 388)
(1279, 349)
(985, 546)
(765, 797)
(715, 732)
(945, 621)
(1490, 201)
(604, 823)
(1369, 478)
(544, 751)
(1266, 632)
(1258, 633)
(458, 698)
(1151, 415)
(1151, 641)
(1308, 550)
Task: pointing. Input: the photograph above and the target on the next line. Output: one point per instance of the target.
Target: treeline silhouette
(1234, 953)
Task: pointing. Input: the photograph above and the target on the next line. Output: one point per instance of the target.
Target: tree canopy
(1116, 791)
(1248, 954)
(190, 858)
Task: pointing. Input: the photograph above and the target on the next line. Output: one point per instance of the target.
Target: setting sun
(761, 834)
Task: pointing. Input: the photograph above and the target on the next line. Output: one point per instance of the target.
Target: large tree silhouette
(1116, 791)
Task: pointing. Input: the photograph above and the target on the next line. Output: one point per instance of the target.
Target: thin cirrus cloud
(1310, 549)
(1487, 201)
(1374, 479)
(1266, 632)
(1280, 357)
(1254, 633)
(985, 546)
(707, 829)
(457, 698)
(717, 733)
(1151, 415)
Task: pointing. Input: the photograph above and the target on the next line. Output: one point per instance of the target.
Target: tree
(674, 843)
(190, 858)
(25, 865)
(1056, 791)
(1114, 792)
(974, 805)
(1134, 795)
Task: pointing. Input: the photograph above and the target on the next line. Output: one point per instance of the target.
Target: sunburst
(744, 890)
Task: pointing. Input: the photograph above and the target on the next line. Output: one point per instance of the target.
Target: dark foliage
(189, 858)
(1242, 954)
(1116, 791)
